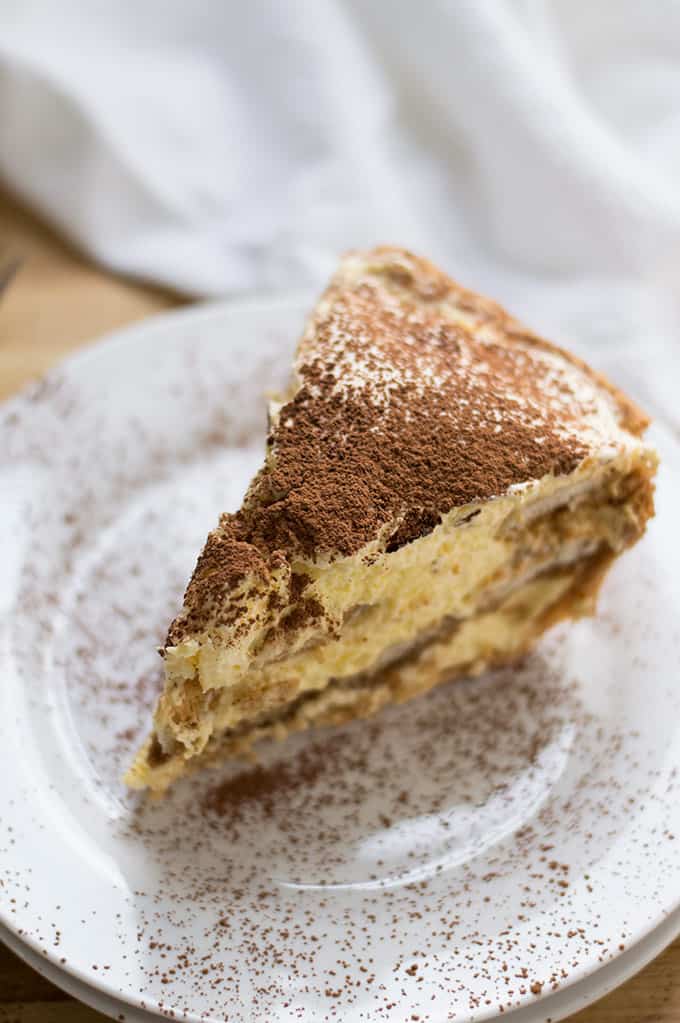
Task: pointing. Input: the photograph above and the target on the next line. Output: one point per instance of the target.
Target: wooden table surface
(56, 302)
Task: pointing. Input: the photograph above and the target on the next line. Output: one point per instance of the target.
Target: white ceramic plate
(485, 847)
(555, 1007)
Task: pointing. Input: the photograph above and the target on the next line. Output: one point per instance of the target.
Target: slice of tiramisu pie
(440, 486)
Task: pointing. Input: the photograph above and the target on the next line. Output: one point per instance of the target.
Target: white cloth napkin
(532, 148)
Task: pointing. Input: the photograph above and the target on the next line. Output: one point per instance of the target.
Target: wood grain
(56, 302)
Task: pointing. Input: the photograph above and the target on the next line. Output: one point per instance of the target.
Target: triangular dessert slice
(440, 485)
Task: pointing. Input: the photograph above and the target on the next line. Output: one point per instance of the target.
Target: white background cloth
(532, 148)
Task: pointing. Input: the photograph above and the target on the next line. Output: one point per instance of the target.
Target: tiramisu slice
(440, 486)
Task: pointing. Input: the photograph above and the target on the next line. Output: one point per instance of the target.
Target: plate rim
(572, 998)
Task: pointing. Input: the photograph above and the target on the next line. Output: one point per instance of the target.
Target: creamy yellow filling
(378, 604)
(496, 635)
(470, 646)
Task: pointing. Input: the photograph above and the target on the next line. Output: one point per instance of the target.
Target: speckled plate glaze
(484, 849)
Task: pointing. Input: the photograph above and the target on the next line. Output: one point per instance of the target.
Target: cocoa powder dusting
(262, 786)
(414, 397)
(433, 419)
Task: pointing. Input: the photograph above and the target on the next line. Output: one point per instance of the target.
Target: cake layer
(496, 637)
(378, 603)
(429, 619)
